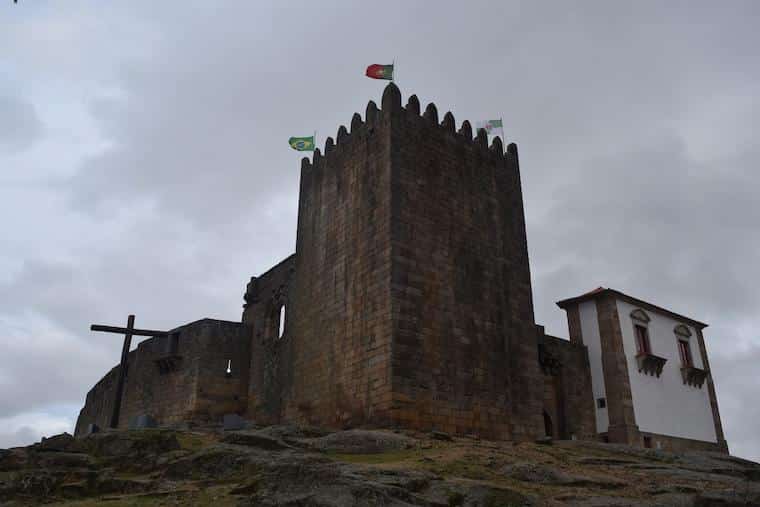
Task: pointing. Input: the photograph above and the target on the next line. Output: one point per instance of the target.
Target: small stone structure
(407, 303)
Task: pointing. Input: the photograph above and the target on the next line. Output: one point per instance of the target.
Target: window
(683, 333)
(601, 403)
(281, 330)
(642, 340)
(648, 442)
(685, 352)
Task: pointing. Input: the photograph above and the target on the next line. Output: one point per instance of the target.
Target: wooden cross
(128, 333)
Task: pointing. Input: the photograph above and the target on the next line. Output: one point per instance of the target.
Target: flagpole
(503, 141)
(393, 64)
(315, 144)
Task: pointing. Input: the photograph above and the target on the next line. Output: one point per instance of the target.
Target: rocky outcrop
(301, 466)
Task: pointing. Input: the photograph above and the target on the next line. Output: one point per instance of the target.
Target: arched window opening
(281, 330)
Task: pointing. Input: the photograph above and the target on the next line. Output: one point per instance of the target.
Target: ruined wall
(568, 397)
(265, 296)
(98, 404)
(464, 349)
(211, 345)
(178, 378)
(336, 368)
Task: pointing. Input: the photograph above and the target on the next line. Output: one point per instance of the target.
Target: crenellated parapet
(391, 108)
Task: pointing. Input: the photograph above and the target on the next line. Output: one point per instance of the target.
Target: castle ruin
(407, 304)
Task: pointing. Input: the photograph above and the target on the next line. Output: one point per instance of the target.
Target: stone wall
(335, 365)
(568, 397)
(178, 378)
(265, 296)
(98, 404)
(464, 344)
(676, 444)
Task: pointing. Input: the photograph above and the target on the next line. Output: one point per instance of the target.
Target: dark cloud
(634, 124)
(20, 126)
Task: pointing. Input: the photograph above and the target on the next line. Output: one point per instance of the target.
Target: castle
(408, 304)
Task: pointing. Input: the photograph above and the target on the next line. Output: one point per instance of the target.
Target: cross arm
(124, 330)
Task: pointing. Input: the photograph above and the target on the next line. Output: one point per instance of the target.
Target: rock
(61, 443)
(13, 459)
(604, 461)
(360, 467)
(288, 432)
(56, 459)
(440, 435)
(534, 472)
(410, 480)
(215, 462)
(475, 496)
(255, 439)
(233, 422)
(720, 464)
(362, 442)
(138, 448)
(734, 497)
(542, 474)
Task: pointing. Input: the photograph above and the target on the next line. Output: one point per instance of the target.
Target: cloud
(30, 427)
(20, 126)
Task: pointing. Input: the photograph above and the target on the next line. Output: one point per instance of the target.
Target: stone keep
(408, 300)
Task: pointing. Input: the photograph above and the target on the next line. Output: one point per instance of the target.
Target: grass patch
(194, 442)
(463, 468)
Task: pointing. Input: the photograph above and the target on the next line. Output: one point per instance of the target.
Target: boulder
(233, 422)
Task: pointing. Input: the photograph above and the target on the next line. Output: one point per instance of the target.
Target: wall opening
(548, 426)
(281, 329)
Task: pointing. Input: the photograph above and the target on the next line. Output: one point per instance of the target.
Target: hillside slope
(286, 465)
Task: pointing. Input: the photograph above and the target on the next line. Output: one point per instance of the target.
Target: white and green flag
(492, 127)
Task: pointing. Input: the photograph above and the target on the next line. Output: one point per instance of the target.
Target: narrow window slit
(281, 330)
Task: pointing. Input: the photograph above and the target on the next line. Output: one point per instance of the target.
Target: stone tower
(411, 302)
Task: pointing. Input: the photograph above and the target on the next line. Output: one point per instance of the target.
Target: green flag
(490, 126)
(302, 143)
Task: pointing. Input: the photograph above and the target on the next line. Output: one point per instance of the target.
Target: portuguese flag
(376, 71)
(302, 143)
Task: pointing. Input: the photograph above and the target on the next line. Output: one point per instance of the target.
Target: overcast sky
(144, 165)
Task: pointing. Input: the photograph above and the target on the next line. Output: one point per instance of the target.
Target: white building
(650, 373)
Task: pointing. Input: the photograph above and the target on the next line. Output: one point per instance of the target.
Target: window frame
(683, 344)
(643, 343)
(684, 352)
(641, 337)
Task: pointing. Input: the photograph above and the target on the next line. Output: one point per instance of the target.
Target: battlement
(392, 109)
